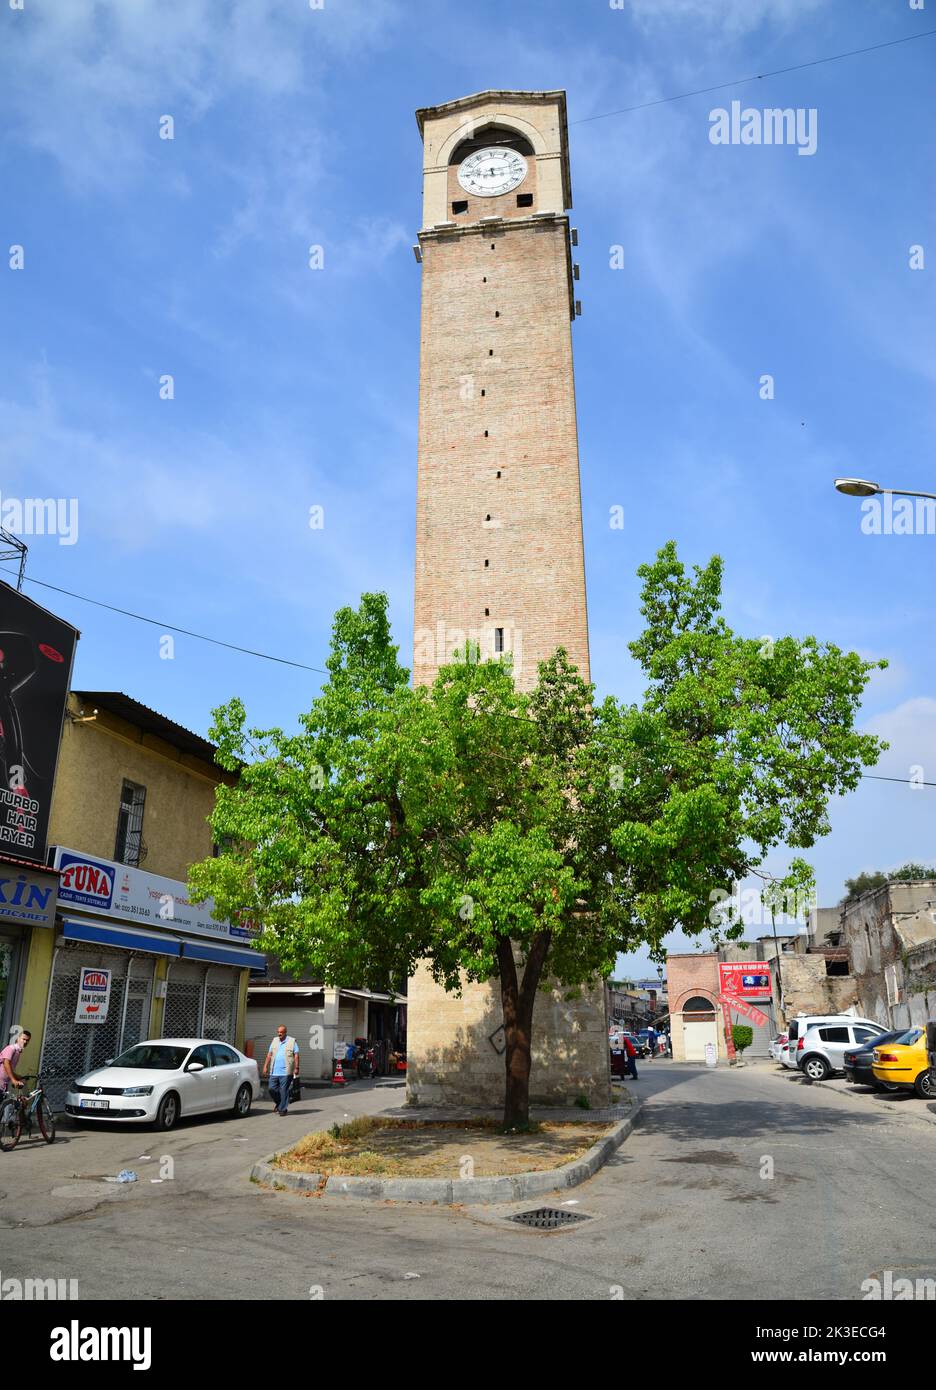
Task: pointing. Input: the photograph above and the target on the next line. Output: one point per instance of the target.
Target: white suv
(820, 1051)
(799, 1026)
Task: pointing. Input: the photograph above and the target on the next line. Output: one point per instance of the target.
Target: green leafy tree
(527, 837)
(854, 887)
(742, 1035)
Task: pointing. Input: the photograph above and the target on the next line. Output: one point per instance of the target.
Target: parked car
(858, 1061)
(904, 1064)
(798, 1027)
(776, 1044)
(640, 1042)
(159, 1080)
(820, 1051)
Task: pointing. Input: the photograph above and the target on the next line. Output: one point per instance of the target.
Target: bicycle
(17, 1111)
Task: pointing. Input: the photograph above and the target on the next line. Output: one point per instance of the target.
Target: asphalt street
(743, 1183)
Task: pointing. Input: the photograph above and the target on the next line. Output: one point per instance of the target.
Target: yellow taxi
(904, 1065)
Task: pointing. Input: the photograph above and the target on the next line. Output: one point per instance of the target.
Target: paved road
(682, 1211)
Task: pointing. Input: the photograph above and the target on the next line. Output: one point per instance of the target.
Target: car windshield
(152, 1057)
(871, 1043)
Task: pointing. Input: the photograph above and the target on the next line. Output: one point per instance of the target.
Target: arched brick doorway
(700, 1026)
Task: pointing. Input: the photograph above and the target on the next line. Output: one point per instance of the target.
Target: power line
(755, 77)
(171, 627)
(905, 781)
(265, 656)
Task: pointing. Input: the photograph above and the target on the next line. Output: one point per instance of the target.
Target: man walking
(631, 1053)
(282, 1064)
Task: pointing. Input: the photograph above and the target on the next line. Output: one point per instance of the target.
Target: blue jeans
(632, 1067)
(279, 1092)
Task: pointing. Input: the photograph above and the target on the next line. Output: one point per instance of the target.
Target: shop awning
(285, 989)
(374, 998)
(127, 938)
(221, 955)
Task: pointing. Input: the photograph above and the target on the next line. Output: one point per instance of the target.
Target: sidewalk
(902, 1102)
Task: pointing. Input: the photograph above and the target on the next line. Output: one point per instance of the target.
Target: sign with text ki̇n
(93, 995)
(36, 652)
(744, 979)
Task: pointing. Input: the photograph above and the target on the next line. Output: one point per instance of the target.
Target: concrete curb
(465, 1191)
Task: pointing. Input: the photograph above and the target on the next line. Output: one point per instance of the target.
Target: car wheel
(925, 1086)
(242, 1102)
(168, 1111)
(816, 1068)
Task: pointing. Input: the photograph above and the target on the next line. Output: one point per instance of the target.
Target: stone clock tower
(499, 556)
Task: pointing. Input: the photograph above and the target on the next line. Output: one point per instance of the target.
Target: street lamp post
(860, 487)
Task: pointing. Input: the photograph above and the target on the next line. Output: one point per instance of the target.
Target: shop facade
(325, 1021)
(28, 899)
(132, 958)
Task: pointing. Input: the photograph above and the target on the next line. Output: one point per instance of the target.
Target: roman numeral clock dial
(488, 173)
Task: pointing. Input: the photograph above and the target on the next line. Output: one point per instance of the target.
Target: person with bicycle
(9, 1058)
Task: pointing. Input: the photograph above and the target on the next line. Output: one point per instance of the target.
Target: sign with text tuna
(745, 979)
(36, 652)
(110, 889)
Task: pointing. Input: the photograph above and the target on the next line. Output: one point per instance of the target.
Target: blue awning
(222, 955)
(127, 938)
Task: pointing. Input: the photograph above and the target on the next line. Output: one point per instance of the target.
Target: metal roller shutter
(70, 1048)
(220, 1018)
(184, 994)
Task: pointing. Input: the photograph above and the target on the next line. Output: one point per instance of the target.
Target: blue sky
(295, 388)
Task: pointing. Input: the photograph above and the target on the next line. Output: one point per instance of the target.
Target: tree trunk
(517, 1001)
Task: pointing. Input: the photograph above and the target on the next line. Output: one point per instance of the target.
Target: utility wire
(170, 627)
(755, 77)
(265, 656)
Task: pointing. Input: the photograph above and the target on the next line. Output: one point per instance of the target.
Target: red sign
(739, 1006)
(745, 979)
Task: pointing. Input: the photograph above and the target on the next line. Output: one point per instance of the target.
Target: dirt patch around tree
(438, 1149)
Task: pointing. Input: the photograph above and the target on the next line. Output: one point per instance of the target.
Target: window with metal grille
(129, 848)
(498, 639)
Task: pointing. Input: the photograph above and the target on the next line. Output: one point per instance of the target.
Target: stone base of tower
(451, 1060)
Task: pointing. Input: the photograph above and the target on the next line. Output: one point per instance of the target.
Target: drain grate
(548, 1218)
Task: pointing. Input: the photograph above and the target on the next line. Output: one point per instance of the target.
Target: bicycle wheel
(11, 1124)
(46, 1117)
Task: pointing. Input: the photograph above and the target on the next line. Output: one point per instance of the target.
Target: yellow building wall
(32, 1011)
(96, 757)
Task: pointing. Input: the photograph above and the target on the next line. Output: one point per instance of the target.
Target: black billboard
(36, 653)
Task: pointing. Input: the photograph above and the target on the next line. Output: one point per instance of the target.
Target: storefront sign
(93, 995)
(36, 650)
(748, 1011)
(26, 897)
(113, 890)
(745, 979)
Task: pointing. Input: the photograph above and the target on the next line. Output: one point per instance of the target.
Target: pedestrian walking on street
(651, 1041)
(631, 1053)
(282, 1064)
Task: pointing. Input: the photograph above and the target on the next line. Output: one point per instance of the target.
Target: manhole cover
(548, 1218)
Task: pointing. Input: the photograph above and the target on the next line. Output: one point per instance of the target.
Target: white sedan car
(160, 1080)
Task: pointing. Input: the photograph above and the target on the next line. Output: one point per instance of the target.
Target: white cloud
(910, 729)
(90, 78)
(731, 18)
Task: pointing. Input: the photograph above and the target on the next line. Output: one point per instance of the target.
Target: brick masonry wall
(495, 320)
(499, 482)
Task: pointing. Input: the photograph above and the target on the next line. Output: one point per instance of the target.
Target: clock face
(487, 173)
